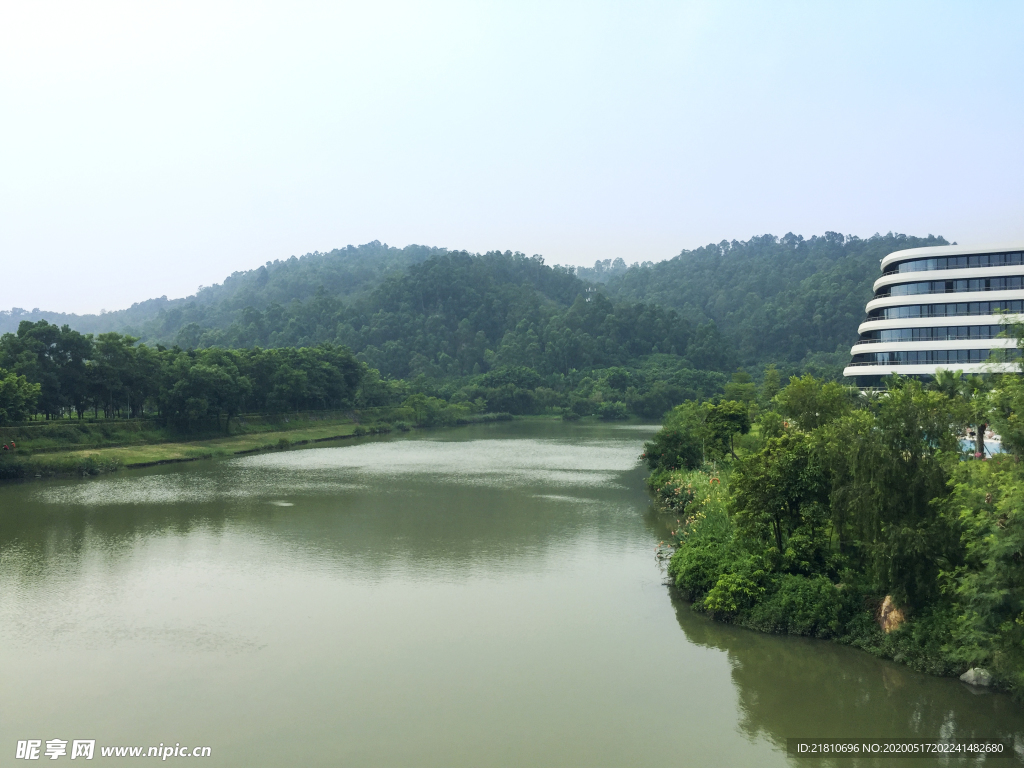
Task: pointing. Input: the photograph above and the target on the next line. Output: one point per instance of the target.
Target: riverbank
(717, 575)
(858, 520)
(507, 566)
(134, 446)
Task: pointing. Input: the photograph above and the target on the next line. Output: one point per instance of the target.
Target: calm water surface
(486, 596)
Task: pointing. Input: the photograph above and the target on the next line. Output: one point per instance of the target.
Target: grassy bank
(73, 434)
(58, 449)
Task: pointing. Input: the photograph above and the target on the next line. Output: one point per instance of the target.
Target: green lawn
(74, 459)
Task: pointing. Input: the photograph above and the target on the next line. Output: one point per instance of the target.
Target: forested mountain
(457, 314)
(420, 310)
(499, 331)
(503, 331)
(344, 272)
(602, 271)
(776, 299)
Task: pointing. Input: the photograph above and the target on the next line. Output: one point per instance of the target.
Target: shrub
(697, 494)
(673, 490)
(801, 605)
(696, 567)
(612, 411)
(673, 448)
(732, 592)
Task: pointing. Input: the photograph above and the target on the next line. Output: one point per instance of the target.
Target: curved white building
(937, 308)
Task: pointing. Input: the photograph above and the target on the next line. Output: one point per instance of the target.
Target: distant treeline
(791, 301)
(458, 314)
(343, 272)
(775, 299)
(502, 330)
(58, 372)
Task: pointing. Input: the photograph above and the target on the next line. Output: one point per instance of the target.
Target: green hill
(457, 314)
(784, 300)
(419, 310)
(344, 272)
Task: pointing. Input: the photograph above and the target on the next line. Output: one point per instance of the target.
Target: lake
(481, 596)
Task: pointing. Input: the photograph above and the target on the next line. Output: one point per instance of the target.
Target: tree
(1007, 413)
(971, 390)
(73, 375)
(679, 442)
(741, 388)
(36, 352)
(810, 402)
(201, 385)
(782, 490)
(721, 425)
(215, 378)
(771, 385)
(143, 378)
(709, 349)
(894, 473)
(764, 502)
(110, 372)
(289, 388)
(17, 397)
(988, 504)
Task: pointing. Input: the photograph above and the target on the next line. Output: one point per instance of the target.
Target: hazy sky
(148, 148)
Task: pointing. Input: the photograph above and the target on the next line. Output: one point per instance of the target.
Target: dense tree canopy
(843, 510)
(776, 299)
(343, 272)
(458, 314)
(112, 373)
(417, 310)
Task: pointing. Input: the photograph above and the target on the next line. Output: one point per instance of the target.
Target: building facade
(940, 307)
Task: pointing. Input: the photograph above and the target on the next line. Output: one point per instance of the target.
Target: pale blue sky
(148, 148)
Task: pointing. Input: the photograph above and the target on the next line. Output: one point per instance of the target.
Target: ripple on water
(152, 489)
(563, 497)
(180, 488)
(501, 463)
(490, 463)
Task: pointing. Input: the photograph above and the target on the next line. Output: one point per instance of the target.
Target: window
(958, 262)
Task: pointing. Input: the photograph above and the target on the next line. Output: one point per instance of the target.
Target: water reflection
(485, 596)
(367, 509)
(791, 687)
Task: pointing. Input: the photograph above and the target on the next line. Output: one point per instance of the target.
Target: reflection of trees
(392, 523)
(794, 687)
(39, 541)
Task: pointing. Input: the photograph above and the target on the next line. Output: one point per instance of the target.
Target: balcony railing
(887, 291)
(943, 357)
(959, 309)
(940, 338)
(977, 261)
(937, 363)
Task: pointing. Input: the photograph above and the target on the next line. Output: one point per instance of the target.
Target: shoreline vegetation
(68, 449)
(77, 404)
(816, 510)
(450, 335)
